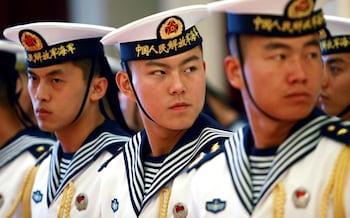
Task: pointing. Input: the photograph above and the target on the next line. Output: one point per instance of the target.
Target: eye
(334, 69)
(280, 57)
(190, 69)
(31, 77)
(56, 80)
(158, 72)
(313, 55)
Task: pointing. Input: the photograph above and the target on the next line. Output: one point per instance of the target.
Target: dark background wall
(13, 12)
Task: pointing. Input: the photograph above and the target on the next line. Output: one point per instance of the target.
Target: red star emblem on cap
(172, 27)
(29, 41)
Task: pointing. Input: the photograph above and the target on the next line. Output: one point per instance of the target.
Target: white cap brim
(146, 28)
(268, 7)
(11, 47)
(58, 32)
(338, 25)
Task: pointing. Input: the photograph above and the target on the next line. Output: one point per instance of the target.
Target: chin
(296, 114)
(182, 125)
(45, 128)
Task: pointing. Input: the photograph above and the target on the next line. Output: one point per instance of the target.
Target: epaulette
(204, 157)
(114, 150)
(104, 165)
(38, 150)
(338, 131)
(43, 156)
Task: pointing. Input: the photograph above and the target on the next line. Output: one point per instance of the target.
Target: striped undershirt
(151, 167)
(260, 163)
(64, 163)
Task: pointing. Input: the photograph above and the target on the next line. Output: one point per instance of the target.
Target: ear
(124, 84)
(98, 88)
(233, 72)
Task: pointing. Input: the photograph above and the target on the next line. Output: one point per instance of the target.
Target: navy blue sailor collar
(248, 136)
(304, 136)
(199, 138)
(112, 127)
(191, 134)
(106, 137)
(29, 139)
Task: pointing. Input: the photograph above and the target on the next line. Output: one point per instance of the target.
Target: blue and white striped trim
(81, 159)
(298, 145)
(20, 145)
(173, 164)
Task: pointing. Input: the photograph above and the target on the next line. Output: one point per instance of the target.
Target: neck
(10, 125)
(268, 133)
(73, 136)
(162, 141)
(346, 116)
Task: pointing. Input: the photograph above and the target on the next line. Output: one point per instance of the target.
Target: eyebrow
(335, 60)
(183, 62)
(276, 45)
(50, 73)
(312, 42)
(280, 45)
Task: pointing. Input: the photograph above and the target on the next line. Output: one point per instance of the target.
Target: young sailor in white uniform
(164, 72)
(21, 142)
(68, 79)
(335, 48)
(292, 160)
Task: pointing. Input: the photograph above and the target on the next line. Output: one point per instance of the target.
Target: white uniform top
(122, 185)
(76, 195)
(16, 159)
(295, 185)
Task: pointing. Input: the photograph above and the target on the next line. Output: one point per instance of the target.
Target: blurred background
(119, 12)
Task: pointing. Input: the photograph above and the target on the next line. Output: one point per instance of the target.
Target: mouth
(298, 96)
(41, 113)
(180, 106)
(323, 97)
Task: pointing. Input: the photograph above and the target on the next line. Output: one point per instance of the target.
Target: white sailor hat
(10, 52)
(159, 35)
(336, 35)
(48, 43)
(10, 47)
(272, 17)
(114, 63)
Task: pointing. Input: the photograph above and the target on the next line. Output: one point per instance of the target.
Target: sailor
(164, 73)
(21, 142)
(291, 160)
(70, 82)
(335, 48)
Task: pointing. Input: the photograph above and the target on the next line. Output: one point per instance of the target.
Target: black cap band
(270, 25)
(156, 48)
(39, 54)
(336, 44)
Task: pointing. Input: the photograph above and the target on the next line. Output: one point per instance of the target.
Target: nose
(40, 92)
(297, 73)
(326, 78)
(177, 86)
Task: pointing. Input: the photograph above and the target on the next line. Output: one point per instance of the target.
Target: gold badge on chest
(301, 198)
(81, 201)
